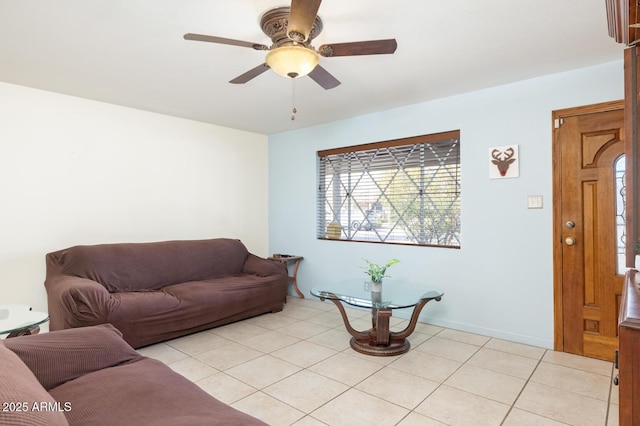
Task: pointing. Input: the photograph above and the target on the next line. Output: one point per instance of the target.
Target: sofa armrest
(21, 395)
(77, 302)
(255, 265)
(60, 356)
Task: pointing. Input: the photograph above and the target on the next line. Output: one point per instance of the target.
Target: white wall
(74, 171)
(500, 282)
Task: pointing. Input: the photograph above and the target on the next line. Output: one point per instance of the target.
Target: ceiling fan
(291, 29)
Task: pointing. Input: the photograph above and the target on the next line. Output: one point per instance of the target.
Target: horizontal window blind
(405, 191)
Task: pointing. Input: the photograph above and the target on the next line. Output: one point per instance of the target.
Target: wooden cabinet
(629, 351)
(623, 17)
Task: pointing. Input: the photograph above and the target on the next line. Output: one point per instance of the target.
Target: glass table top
(19, 317)
(394, 295)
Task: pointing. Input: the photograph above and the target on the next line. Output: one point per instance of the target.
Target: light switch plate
(534, 202)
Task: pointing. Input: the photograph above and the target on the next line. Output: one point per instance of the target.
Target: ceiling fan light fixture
(292, 61)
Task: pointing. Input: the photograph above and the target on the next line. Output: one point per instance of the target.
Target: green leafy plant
(377, 272)
(637, 247)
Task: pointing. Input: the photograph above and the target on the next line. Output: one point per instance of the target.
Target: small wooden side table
(286, 258)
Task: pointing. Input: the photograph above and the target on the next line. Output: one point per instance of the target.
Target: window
(404, 191)
(621, 223)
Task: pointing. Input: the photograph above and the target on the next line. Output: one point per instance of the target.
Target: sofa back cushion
(150, 266)
(64, 355)
(25, 401)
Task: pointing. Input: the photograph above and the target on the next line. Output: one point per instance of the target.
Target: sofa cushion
(151, 266)
(60, 356)
(144, 392)
(193, 306)
(24, 401)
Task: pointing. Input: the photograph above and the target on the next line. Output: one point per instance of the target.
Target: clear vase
(376, 294)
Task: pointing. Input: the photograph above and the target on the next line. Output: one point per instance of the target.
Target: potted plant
(377, 273)
(637, 259)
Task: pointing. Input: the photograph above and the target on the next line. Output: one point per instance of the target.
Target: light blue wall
(500, 283)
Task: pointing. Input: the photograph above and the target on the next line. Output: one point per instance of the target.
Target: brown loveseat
(90, 376)
(153, 292)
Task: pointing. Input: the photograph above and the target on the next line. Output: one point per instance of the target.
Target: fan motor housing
(274, 24)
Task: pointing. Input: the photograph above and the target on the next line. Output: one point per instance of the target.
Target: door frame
(556, 122)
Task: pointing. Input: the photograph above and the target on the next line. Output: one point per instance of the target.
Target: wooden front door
(587, 144)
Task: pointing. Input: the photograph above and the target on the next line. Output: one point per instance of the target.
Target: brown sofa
(91, 376)
(153, 292)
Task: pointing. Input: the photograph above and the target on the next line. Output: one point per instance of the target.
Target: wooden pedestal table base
(25, 332)
(379, 340)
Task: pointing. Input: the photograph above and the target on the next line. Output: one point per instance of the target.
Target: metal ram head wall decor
(503, 162)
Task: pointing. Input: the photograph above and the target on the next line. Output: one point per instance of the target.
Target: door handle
(570, 241)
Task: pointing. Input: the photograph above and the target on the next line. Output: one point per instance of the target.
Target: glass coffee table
(20, 320)
(379, 340)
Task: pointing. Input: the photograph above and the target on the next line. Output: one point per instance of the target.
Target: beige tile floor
(295, 367)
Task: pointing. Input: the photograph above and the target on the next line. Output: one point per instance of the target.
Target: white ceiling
(131, 53)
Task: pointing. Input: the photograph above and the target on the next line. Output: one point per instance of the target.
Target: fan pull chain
(294, 110)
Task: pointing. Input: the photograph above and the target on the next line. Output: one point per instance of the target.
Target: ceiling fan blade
(251, 74)
(372, 47)
(222, 40)
(301, 17)
(323, 78)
